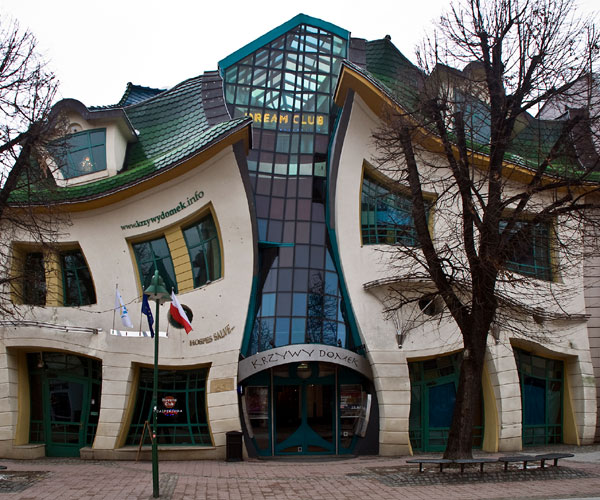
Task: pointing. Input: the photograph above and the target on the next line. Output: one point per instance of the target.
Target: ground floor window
(433, 385)
(542, 383)
(182, 418)
(64, 401)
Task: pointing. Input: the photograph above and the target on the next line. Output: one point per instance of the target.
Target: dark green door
(67, 406)
(65, 401)
(433, 394)
(542, 381)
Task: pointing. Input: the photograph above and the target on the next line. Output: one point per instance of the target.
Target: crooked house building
(252, 191)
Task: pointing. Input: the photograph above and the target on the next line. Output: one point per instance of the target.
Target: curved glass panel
(286, 87)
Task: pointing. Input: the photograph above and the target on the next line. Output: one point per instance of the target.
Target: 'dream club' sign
(290, 122)
(302, 353)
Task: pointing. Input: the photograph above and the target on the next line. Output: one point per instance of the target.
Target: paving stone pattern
(409, 476)
(361, 478)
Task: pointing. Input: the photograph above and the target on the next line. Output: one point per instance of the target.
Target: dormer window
(75, 128)
(85, 153)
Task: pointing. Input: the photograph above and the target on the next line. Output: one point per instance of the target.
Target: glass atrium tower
(285, 82)
(286, 86)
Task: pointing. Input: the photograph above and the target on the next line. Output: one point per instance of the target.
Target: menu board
(257, 402)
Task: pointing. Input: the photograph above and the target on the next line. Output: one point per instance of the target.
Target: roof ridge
(164, 93)
(128, 90)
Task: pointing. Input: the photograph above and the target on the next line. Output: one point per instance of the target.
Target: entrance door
(541, 397)
(304, 412)
(67, 405)
(306, 408)
(433, 394)
(65, 395)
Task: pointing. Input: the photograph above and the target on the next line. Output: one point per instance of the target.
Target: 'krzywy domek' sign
(302, 353)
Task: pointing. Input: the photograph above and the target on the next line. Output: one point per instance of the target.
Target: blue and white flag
(146, 310)
(122, 310)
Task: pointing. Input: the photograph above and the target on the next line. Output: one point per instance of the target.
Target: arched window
(202, 241)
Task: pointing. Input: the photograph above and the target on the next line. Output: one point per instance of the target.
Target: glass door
(65, 392)
(67, 405)
(304, 398)
(306, 408)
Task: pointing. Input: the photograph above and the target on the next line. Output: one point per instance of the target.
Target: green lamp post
(157, 292)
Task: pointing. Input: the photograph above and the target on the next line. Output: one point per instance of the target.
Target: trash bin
(233, 442)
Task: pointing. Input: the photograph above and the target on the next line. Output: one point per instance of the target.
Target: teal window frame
(88, 146)
(78, 286)
(204, 249)
(386, 215)
(153, 255)
(535, 372)
(442, 371)
(70, 367)
(188, 426)
(535, 257)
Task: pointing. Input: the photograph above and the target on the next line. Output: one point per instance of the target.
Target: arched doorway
(65, 395)
(306, 408)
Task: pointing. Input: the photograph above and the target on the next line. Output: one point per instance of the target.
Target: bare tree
(502, 182)
(27, 127)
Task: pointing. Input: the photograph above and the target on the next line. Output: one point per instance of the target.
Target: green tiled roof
(401, 81)
(135, 94)
(396, 73)
(171, 128)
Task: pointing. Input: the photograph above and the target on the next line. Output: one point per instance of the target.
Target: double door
(304, 417)
(306, 408)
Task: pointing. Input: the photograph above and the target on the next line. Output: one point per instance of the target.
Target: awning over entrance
(303, 353)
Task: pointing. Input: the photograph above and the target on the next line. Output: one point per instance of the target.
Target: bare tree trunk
(468, 401)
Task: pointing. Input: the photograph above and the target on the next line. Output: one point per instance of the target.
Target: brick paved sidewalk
(345, 479)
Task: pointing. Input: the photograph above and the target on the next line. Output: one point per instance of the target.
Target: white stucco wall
(218, 305)
(425, 337)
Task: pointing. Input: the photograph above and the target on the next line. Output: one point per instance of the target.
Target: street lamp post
(157, 292)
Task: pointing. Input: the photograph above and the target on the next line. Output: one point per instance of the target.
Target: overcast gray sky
(96, 47)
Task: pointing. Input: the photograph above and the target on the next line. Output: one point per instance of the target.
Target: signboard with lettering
(290, 122)
(302, 353)
(169, 402)
(221, 334)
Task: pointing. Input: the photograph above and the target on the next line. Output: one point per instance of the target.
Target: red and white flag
(178, 314)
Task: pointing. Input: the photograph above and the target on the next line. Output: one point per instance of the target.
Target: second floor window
(386, 216)
(78, 287)
(155, 255)
(202, 242)
(34, 279)
(530, 253)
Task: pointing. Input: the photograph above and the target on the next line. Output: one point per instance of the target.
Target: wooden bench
(517, 458)
(552, 456)
(437, 461)
(474, 461)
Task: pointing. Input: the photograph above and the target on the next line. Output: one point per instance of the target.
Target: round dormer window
(75, 128)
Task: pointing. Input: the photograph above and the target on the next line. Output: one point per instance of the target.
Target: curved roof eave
(95, 114)
(241, 132)
(379, 99)
(263, 40)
